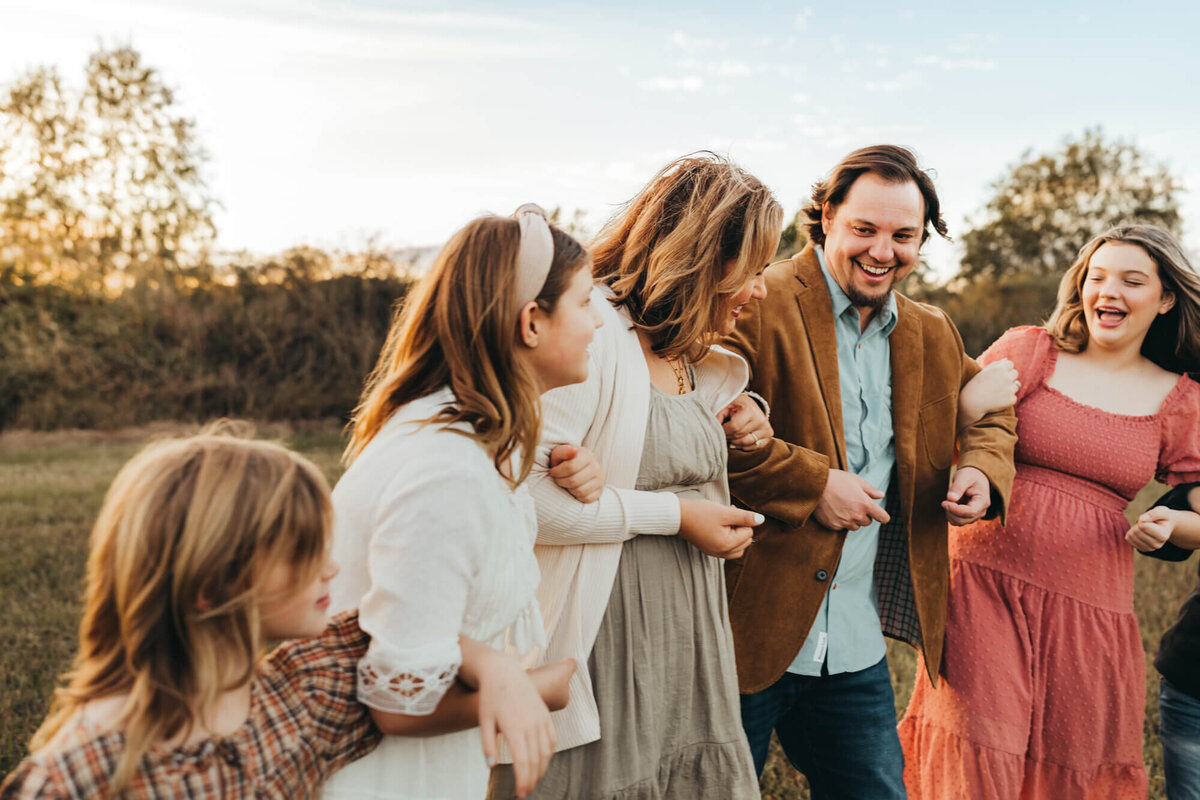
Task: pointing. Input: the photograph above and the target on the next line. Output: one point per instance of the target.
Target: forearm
(781, 480)
(1186, 533)
(619, 514)
(458, 710)
(988, 446)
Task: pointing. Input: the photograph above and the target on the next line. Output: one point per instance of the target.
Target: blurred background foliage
(115, 309)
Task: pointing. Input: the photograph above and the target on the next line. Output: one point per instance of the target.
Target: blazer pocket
(938, 429)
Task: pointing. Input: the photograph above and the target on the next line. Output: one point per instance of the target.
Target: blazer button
(822, 575)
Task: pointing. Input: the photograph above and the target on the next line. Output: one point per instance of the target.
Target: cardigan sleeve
(568, 414)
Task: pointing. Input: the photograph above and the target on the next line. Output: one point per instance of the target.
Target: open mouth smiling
(871, 269)
(1110, 316)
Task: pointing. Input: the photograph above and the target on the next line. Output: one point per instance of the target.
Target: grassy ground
(52, 484)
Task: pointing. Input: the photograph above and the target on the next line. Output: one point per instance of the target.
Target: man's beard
(873, 302)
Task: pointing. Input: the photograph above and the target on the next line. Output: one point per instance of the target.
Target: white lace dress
(432, 543)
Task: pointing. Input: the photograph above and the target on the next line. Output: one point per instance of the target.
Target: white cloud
(800, 98)
(690, 44)
(732, 69)
(802, 18)
(687, 83)
(970, 64)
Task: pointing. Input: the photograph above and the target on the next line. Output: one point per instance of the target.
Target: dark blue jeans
(1179, 726)
(839, 730)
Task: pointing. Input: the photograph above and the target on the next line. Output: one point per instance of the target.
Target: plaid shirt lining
(893, 579)
(305, 722)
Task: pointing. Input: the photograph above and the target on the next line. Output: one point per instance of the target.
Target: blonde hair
(665, 252)
(457, 329)
(1173, 341)
(187, 531)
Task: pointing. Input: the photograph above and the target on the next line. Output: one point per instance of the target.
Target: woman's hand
(509, 703)
(746, 426)
(1153, 529)
(576, 469)
(993, 388)
(717, 530)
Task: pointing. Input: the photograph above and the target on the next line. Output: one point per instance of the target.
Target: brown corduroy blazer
(776, 589)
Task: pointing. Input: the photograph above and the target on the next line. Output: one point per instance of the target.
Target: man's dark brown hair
(891, 162)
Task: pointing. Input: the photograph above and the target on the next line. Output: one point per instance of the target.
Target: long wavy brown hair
(1173, 341)
(458, 329)
(665, 253)
(187, 532)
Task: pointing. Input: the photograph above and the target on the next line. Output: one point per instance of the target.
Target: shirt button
(821, 575)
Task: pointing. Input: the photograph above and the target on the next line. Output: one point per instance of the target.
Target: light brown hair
(1173, 341)
(890, 162)
(664, 253)
(187, 531)
(458, 328)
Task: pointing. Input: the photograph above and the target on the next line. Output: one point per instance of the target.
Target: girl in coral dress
(1043, 681)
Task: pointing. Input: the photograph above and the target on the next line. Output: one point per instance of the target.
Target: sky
(334, 123)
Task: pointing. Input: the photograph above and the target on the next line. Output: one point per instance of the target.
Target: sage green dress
(663, 672)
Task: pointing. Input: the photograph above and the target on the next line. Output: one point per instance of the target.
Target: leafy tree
(100, 184)
(1048, 206)
(794, 237)
(1042, 211)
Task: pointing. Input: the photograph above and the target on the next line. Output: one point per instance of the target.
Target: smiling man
(856, 486)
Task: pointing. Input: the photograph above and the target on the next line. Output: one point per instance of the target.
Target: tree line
(114, 310)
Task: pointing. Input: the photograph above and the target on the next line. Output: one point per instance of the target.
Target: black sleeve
(1176, 499)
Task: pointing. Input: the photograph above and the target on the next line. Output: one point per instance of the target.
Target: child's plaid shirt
(304, 723)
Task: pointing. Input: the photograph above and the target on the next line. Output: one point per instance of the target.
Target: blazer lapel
(816, 313)
(907, 379)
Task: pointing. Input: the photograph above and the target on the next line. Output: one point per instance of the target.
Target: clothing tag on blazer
(1144, 500)
(822, 646)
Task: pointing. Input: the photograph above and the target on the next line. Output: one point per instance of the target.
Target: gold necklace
(680, 374)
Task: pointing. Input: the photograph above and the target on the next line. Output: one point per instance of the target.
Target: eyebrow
(867, 223)
(1143, 273)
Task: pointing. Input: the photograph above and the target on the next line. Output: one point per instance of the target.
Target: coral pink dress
(1043, 680)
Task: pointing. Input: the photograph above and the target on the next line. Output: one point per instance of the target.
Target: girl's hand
(576, 469)
(746, 426)
(1152, 530)
(994, 388)
(510, 704)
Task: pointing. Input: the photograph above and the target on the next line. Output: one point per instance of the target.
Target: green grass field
(51, 486)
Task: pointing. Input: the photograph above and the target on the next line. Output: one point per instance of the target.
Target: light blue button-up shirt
(846, 634)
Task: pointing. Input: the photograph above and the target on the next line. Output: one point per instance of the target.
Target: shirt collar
(885, 318)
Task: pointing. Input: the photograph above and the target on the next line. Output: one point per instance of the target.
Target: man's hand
(577, 470)
(1152, 530)
(969, 497)
(717, 530)
(848, 503)
(746, 426)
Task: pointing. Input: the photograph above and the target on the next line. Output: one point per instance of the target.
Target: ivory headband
(535, 253)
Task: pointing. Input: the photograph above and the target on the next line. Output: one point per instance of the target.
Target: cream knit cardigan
(579, 545)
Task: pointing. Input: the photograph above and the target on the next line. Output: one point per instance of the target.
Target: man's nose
(881, 251)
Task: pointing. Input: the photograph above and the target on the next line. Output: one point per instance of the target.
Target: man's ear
(826, 217)
(528, 322)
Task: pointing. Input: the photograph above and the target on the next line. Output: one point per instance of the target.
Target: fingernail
(759, 519)
(761, 443)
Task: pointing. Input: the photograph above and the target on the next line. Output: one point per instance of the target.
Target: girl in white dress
(433, 528)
